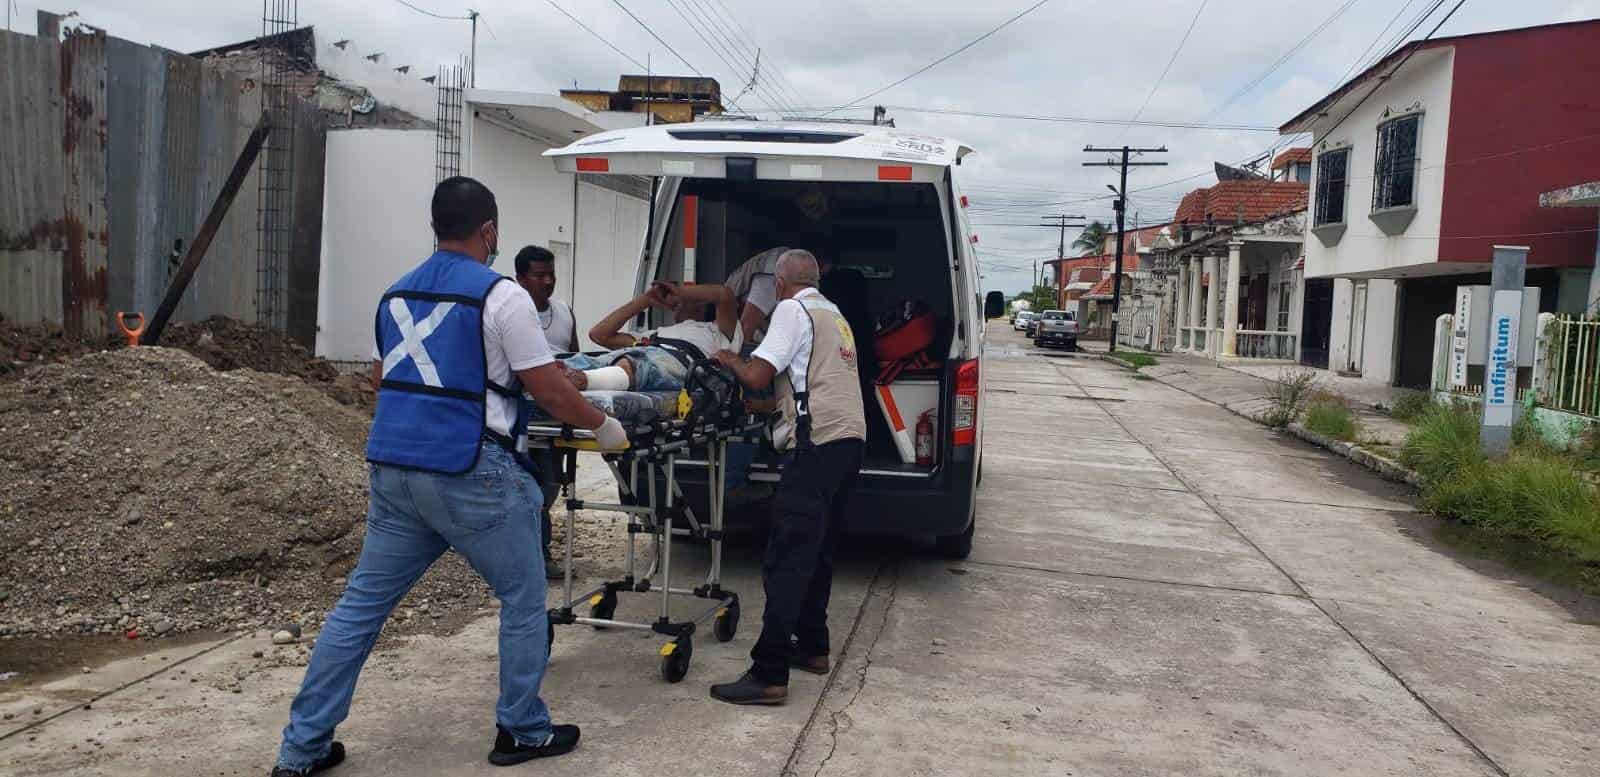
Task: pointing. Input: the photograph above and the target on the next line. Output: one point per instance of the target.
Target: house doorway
(1316, 322)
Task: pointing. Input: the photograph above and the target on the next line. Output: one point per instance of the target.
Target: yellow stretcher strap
(587, 445)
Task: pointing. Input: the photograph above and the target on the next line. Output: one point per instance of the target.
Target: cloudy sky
(1252, 63)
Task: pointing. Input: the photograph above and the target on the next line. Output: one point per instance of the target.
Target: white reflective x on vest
(411, 337)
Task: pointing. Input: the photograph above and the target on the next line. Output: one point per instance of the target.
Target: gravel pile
(144, 492)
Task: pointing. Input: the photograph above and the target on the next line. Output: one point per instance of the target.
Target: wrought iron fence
(1573, 355)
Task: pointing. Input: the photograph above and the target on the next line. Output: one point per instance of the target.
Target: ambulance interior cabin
(887, 245)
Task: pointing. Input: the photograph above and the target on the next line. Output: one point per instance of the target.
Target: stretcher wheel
(726, 624)
(675, 657)
(604, 609)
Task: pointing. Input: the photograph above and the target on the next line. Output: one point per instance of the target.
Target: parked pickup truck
(1057, 327)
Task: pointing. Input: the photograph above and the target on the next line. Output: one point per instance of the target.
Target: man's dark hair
(460, 206)
(530, 254)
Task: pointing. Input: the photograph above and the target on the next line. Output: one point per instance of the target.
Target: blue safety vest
(430, 412)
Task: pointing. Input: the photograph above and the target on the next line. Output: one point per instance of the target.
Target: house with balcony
(1233, 266)
(1425, 161)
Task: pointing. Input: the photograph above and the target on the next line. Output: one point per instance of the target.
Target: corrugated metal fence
(110, 156)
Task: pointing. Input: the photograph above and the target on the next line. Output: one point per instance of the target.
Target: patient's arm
(608, 332)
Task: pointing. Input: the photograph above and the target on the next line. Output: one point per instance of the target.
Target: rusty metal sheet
(31, 196)
(136, 259)
(83, 143)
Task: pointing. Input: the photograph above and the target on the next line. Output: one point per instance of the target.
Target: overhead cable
(597, 36)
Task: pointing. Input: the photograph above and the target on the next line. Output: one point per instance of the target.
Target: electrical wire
(943, 59)
(715, 50)
(723, 49)
(741, 42)
(597, 36)
(1287, 55)
(1168, 68)
(426, 12)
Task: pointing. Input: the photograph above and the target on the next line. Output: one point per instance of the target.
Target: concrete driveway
(1158, 588)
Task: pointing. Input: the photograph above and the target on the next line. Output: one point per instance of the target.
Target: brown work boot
(813, 664)
(749, 690)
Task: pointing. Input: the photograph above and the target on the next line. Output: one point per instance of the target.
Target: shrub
(1535, 493)
(1444, 441)
(1410, 405)
(1289, 394)
(1137, 359)
(1328, 416)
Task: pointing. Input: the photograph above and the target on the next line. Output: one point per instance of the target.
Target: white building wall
(610, 239)
(1424, 84)
(1382, 333)
(1339, 330)
(535, 201)
(376, 190)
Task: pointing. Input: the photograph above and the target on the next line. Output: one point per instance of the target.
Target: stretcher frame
(652, 453)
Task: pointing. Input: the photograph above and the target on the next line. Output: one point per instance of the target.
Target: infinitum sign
(1500, 368)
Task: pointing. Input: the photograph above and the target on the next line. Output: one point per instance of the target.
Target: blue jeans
(413, 517)
(653, 368)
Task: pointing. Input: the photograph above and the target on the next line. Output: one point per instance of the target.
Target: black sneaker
(552, 570)
(749, 690)
(334, 757)
(563, 738)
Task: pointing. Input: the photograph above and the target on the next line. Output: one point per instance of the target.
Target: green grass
(1137, 359)
(1537, 493)
(1410, 405)
(1329, 417)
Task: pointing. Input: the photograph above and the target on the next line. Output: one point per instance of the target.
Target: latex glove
(610, 435)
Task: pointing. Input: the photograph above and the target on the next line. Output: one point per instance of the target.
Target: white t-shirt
(559, 329)
(512, 341)
(788, 342)
(705, 335)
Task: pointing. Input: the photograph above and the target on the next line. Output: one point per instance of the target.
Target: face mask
(493, 255)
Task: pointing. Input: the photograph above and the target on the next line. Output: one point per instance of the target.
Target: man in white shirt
(456, 344)
(811, 352)
(536, 272)
(636, 364)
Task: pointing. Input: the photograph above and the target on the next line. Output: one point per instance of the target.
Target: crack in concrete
(1216, 510)
(1131, 579)
(873, 593)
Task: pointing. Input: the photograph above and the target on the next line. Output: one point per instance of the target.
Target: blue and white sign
(1500, 370)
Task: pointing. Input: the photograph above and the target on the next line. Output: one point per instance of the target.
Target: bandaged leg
(613, 378)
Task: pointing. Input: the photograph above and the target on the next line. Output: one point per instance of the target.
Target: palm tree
(1091, 238)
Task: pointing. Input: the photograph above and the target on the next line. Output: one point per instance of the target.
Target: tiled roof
(1292, 156)
(1231, 201)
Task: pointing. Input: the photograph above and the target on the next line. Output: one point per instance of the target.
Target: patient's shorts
(653, 368)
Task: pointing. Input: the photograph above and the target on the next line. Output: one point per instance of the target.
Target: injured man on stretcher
(708, 319)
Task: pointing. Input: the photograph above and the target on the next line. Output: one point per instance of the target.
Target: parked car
(1020, 322)
(1057, 327)
(745, 182)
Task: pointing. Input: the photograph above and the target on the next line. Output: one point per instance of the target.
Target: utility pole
(1060, 221)
(1121, 206)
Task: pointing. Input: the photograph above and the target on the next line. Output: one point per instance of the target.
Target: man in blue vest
(456, 344)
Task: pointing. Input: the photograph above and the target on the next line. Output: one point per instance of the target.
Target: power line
(1362, 57)
(743, 43)
(943, 59)
(597, 36)
(1059, 119)
(653, 34)
(1170, 61)
(426, 12)
(718, 52)
(1283, 59)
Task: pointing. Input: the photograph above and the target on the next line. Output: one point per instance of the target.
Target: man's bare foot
(575, 377)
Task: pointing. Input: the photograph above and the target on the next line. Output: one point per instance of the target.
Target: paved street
(1158, 588)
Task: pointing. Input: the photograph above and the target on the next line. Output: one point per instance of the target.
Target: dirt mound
(140, 489)
(223, 343)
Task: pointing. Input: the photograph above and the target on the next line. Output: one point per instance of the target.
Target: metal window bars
(1394, 183)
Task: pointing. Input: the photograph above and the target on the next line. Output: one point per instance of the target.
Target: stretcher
(699, 423)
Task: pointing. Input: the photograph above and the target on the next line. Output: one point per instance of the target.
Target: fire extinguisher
(925, 440)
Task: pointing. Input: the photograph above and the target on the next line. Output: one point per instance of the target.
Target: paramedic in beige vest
(820, 431)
